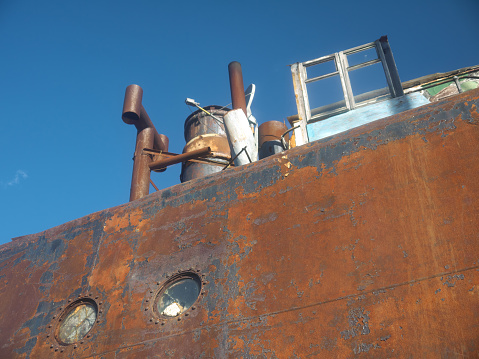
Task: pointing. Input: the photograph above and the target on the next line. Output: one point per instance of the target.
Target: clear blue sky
(64, 150)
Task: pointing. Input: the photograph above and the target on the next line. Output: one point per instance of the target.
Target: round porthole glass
(77, 321)
(178, 294)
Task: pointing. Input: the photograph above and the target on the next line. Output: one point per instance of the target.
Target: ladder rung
(360, 48)
(322, 77)
(318, 61)
(363, 64)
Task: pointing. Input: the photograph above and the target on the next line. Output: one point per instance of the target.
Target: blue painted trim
(363, 115)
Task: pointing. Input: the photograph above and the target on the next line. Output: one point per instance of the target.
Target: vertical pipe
(236, 86)
(140, 181)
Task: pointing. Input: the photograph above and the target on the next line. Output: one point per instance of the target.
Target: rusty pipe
(179, 158)
(236, 86)
(140, 181)
(270, 131)
(135, 114)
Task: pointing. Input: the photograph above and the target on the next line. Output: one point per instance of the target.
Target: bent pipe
(135, 114)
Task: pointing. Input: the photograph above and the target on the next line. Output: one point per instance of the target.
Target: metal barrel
(200, 123)
(202, 130)
(269, 138)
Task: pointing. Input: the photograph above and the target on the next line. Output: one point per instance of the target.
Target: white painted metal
(249, 95)
(342, 64)
(240, 137)
(302, 102)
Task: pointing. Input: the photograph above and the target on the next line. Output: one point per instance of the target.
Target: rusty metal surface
(140, 181)
(361, 245)
(270, 138)
(200, 123)
(135, 114)
(156, 165)
(271, 131)
(203, 130)
(192, 170)
(219, 145)
(236, 86)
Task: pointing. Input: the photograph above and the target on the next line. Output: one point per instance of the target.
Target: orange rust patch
(113, 265)
(123, 219)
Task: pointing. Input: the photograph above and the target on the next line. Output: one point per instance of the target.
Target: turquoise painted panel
(363, 115)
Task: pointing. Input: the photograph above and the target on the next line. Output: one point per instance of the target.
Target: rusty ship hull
(362, 244)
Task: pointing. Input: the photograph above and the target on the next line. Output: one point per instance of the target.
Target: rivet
(54, 317)
(198, 270)
(151, 319)
(186, 314)
(157, 283)
(146, 309)
(179, 318)
(100, 311)
(60, 319)
(60, 308)
(162, 323)
(151, 291)
(56, 349)
(90, 295)
(81, 342)
(98, 321)
(167, 276)
(50, 326)
(61, 351)
(96, 297)
(100, 303)
(75, 346)
(88, 335)
(51, 346)
(48, 335)
(157, 322)
(193, 308)
(147, 300)
(69, 300)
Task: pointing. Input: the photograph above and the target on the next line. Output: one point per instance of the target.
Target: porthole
(178, 294)
(76, 321)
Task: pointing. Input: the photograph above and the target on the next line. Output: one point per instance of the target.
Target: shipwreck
(350, 231)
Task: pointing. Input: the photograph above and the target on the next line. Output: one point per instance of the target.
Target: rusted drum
(202, 130)
(269, 138)
(200, 123)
